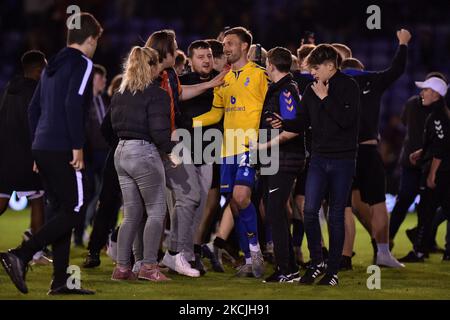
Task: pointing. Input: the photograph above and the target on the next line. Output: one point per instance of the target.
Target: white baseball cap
(434, 83)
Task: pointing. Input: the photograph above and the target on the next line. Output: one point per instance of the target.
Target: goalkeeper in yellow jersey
(239, 101)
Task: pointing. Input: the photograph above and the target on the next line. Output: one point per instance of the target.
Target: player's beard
(232, 58)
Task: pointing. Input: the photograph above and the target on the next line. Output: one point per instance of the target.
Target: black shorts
(370, 178)
(299, 189)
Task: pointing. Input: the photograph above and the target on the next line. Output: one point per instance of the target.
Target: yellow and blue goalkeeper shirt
(240, 101)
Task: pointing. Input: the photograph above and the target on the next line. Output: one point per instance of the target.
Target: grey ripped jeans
(142, 181)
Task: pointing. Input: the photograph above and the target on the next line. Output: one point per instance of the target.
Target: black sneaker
(412, 257)
(216, 266)
(198, 264)
(277, 277)
(294, 277)
(328, 280)
(64, 290)
(16, 269)
(312, 273)
(92, 260)
(434, 248)
(346, 263)
(446, 256)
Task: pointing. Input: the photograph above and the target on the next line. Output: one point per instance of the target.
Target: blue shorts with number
(236, 170)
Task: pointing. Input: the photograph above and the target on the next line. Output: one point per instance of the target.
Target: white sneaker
(387, 260)
(183, 267)
(39, 258)
(137, 266)
(169, 261)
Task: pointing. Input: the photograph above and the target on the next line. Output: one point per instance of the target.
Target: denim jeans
(142, 181)
(333, 176)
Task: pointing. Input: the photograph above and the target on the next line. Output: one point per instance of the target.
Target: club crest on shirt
(247, 81)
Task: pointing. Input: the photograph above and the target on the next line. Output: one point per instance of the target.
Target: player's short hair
(352, 63)
(180, 58)
(32, 59)
(163, 42)
(281, 58)
(197, 44)
(324, 53)
(343, 50)
(216, 47)
(304, 50)
(436, 74)
(89, 27)
(101, 70)
(114, 85)
(243, 34)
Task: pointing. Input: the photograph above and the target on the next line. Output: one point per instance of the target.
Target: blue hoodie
(57, 110)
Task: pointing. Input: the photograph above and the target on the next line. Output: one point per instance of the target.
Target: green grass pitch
(430, 280)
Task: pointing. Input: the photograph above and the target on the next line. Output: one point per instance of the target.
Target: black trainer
(312, 273)
(294, 277)
(16, 269)
(328, 280)
(412, 257)
(346, 263)
(216, 266)
(198, 264)
(446, 256)
(277, 276)
(92, 260)
(65, 290)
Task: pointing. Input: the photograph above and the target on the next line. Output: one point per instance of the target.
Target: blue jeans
(333, 176)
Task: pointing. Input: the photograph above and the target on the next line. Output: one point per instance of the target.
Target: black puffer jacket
(144, 115)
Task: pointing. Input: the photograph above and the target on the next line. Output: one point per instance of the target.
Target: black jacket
(372, 86)
(144, 115)
(334, 120)
(58, 109)
(283, 98)
(303, 80)
(413, 116)
(436, 138)
(16, 161)
(196, 106)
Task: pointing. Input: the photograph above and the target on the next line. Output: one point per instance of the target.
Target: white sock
(248, 260)
(254, 248)
(38, 255)
(383, 248)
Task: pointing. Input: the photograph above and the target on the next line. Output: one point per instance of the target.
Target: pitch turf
(430, 280)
